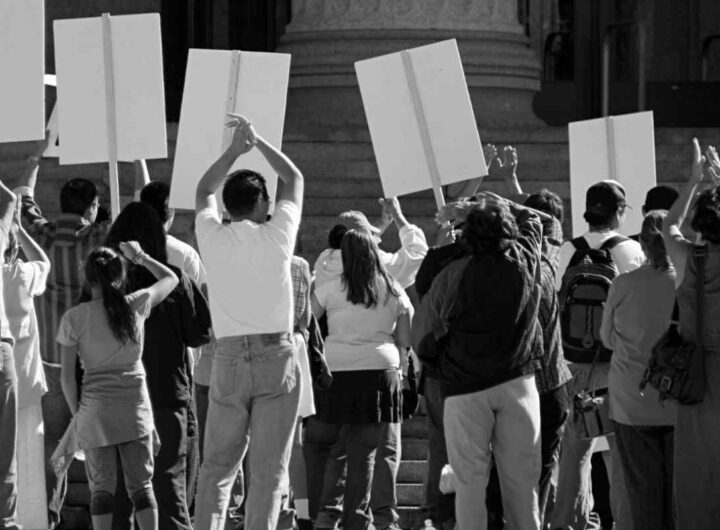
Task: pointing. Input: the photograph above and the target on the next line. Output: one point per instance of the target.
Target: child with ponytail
(113, 416)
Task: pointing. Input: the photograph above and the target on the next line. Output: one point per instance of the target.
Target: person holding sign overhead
(255, 381)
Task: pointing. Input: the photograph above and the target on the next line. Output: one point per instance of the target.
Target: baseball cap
(660, 198)
(355, 220)
(605, 197)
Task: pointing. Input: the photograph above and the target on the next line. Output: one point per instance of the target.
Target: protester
(179, 322)
(8, 386)
(637, 313)
(67, 241)
(401, 265)
(24, 279)
(255, 382)
(605, 206)
(658, 198)
(113, 416)
(697, 431)
(367, 314)
(492, 399)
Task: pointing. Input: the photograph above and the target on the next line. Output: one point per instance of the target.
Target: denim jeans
(438, 506)
(646, 453)
(502, 421)
(254, 400)
(383, 500)
(346, 497)
(8, 439)
(101, 465)
(318, 441)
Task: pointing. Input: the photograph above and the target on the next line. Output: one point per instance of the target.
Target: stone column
(327, 36)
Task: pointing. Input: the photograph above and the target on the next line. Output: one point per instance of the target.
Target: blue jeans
(254, 400)
(8, 439)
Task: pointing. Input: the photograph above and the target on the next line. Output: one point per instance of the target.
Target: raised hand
(713, 164)
(454, 212)
(505, 168)
(244, 138)
(698, 163)
(131, 250)
(490, 152)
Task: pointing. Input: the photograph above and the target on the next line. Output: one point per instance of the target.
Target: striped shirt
(67, 241)
(300, 273)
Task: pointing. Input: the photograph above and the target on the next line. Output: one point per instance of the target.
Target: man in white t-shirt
(255, 381)
(604, 212)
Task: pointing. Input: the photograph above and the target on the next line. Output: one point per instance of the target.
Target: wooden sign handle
(612, 159)
(230, 103)
(111, 116)
(423, 128)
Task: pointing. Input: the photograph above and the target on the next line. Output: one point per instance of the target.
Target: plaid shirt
(553, 371)
(300, 273)
(67, 241)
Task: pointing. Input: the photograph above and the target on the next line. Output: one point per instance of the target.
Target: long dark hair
(139, 222)
(105, 268)
(363, 272)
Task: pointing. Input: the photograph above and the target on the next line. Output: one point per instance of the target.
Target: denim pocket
(276, 371)
(222, 377)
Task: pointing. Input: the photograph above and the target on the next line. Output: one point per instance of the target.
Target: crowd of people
(234, 386)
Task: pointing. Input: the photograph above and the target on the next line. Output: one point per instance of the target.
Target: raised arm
(32, 251)
(243, 140)
(678, 246)
(142, 176)
(292, 184)
(166, 279)
(8, 204)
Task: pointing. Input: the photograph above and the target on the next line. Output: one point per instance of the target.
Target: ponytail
(652, 240)
(105, 268)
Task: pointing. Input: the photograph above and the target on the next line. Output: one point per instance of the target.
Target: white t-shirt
(361, 338)
(185, 258)
(627, 255)
(248, 271)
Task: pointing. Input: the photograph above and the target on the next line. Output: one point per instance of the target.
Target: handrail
(549, 41)
(609, 32)
(706, 45)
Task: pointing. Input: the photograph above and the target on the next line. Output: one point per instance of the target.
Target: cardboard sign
(421, 120)
(137, 89)
(22, 66)
(217, 82)
(620, 148)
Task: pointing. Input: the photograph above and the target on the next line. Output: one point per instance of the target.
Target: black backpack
(584, 290)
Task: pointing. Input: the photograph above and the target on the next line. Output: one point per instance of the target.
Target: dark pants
(554, 412)
(439, 507)
(8, 439)
(56, 418)
(169, 479)
(383, 500)
(646, 453)
(193, 453)
(318, 440)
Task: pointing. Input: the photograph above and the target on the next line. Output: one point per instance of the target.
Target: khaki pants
(504, 419)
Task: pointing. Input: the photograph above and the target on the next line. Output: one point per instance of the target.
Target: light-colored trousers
(502, 421)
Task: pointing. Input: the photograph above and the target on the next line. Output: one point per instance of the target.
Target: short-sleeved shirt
(361, 338)
(186, 258)
(4, 325)
(248, 268)
(22, 282)
(115, 405)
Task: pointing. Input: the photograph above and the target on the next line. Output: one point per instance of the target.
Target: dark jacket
(478, 323)
(436, 259)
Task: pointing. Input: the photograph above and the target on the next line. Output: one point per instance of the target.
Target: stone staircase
(413, 465)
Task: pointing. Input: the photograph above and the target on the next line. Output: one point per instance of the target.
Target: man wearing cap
(605, 206)
(657, 198)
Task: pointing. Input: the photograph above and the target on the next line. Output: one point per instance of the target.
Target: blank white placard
(396, 128)
(22, 67)
(139, 92)
(590, 162)
(260, 95)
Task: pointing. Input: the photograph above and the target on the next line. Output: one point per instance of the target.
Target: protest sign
(619, 148)
(218, 82)
(421, 121)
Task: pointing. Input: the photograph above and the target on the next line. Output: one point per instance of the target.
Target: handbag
(677, 366)
(591, 409)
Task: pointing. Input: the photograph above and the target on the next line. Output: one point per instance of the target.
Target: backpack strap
(700, 254)
(581, 246)
(613, 242)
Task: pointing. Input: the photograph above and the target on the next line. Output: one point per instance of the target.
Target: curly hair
(489, 228)
(652, 239)
(546, 201)
(706, 219)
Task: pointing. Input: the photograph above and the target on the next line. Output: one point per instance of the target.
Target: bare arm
(142, 176)
(67, 376)
(8, 204)
(293, 185)
(317, 308)
(166, 279)
(29, 176)
(402, 331)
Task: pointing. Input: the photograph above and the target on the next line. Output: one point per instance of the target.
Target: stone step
(76, 517)
(411, 517)
(414, 449)
(78, 494)
(410, 494)
(415, 427)
(411, 471)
